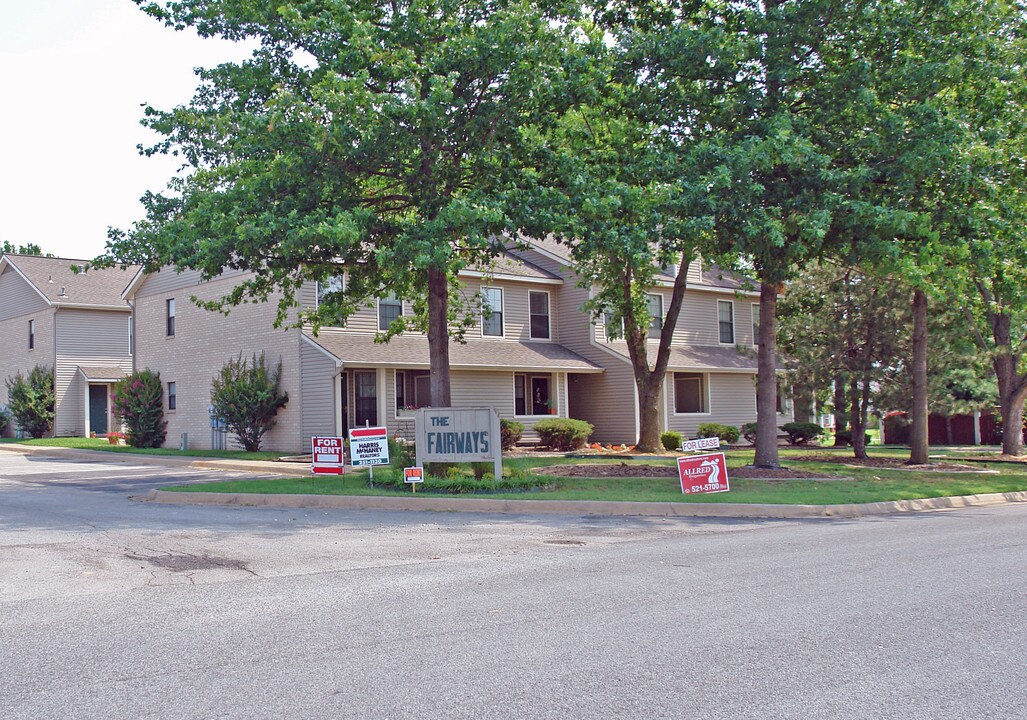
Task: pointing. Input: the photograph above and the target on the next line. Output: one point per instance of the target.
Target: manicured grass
(81, 443)
(857, 485)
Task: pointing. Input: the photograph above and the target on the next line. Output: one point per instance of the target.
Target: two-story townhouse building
(711, 376)
(74, 322)
(512, 359)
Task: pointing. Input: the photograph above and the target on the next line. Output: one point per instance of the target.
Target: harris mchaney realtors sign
(458, 435)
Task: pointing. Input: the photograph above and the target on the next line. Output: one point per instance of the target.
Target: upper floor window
(755, 324)
(170, 315)
(333, 284)
(32, 334)
(655, 303)
(538, 315)
(614, 326)
(390, 309)
(726, 321)
(492, 311)
(172, 396)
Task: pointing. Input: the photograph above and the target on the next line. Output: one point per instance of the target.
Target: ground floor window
(533, 394)
(690, 393)
(413, 389)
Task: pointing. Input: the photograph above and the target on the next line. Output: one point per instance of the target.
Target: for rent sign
(703, 473)
(458, 435)
(326, 455)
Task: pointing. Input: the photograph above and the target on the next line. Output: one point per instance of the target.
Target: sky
(75, 75)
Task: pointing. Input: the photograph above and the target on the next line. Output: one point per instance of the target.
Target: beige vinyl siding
(16, 356)
(18, 297)
(607, 401)
(85, 338)
(694, 274)
(203, 342)
(732, 401)
(317, 393)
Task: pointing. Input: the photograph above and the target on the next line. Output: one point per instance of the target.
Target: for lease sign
(700, 444)
(369, 446)
(326, 455)
(703, 473)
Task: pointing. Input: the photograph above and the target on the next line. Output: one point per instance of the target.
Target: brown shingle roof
(412, 352)
(52, 275)
(509, 265)
(99, 374)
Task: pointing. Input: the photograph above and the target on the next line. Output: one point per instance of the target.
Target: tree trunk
(1012, 425)
(918, 429)
(840, 419)
(438, 337)
(859, 427)
(649, 382)
(766, 381)
(1012, 388)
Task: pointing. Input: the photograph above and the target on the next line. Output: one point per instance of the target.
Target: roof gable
(59, 285)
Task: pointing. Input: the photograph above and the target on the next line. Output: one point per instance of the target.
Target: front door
(365, 395)
(98, 409)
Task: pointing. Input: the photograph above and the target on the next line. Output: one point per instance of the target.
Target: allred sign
(326, 456)
(703, 473)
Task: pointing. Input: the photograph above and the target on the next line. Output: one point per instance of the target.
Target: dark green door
(98, 409)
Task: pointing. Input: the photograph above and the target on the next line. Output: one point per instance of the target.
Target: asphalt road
(118, 609)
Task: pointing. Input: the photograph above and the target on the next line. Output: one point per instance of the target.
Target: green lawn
(81, 443)
(859, 485)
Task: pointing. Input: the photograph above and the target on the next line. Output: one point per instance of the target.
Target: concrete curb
(578, 507)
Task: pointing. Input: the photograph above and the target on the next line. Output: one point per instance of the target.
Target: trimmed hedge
(800, 433)
(846, 437)
(726, 433)
(563, 433)
(510, 432)
(671, 440)
(749, 432)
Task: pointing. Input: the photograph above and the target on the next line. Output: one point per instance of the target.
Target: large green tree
(385, 137)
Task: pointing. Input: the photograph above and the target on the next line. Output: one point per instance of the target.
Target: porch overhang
(99, 374)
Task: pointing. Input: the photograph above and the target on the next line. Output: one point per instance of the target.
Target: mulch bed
(888, 463)
(636, 470)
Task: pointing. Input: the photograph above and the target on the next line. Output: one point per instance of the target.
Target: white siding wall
(318, 394)
(17, 297)
(88, 338)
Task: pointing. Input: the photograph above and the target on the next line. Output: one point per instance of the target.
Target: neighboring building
(535, 354)
(74, 322)
(711, 376)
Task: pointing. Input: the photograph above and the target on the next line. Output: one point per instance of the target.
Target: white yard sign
(369, 446)
(700, 444)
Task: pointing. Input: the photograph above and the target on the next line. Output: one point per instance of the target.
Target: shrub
(31, 400)
(749, 432)
(5, 420)
(139, 402)
(800, 433)
(247, 396)
(563, 433)
(846, 437)
(726, 433)
(510, 432)
(401, 454)
(671, 440)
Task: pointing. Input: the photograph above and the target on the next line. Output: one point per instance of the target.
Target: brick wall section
(203, 342)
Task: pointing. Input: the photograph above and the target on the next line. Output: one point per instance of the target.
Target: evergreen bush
(749, 432)
(726, 433)
(800, 433)
(247, 396)
(510, 432)
(671, 440)
(563, 433)
(31, 400)
(139, 402)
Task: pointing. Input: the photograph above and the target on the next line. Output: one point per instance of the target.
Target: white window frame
(326, 287)
(170, 318)
(416, 376)
(755, 311)
(528, 377)
(654, 332)
(391, 299)
(32, 334)
(172, 385)
(734, 334)
(501, 312)
(549, 314)
(704, 390)
(131, 335)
